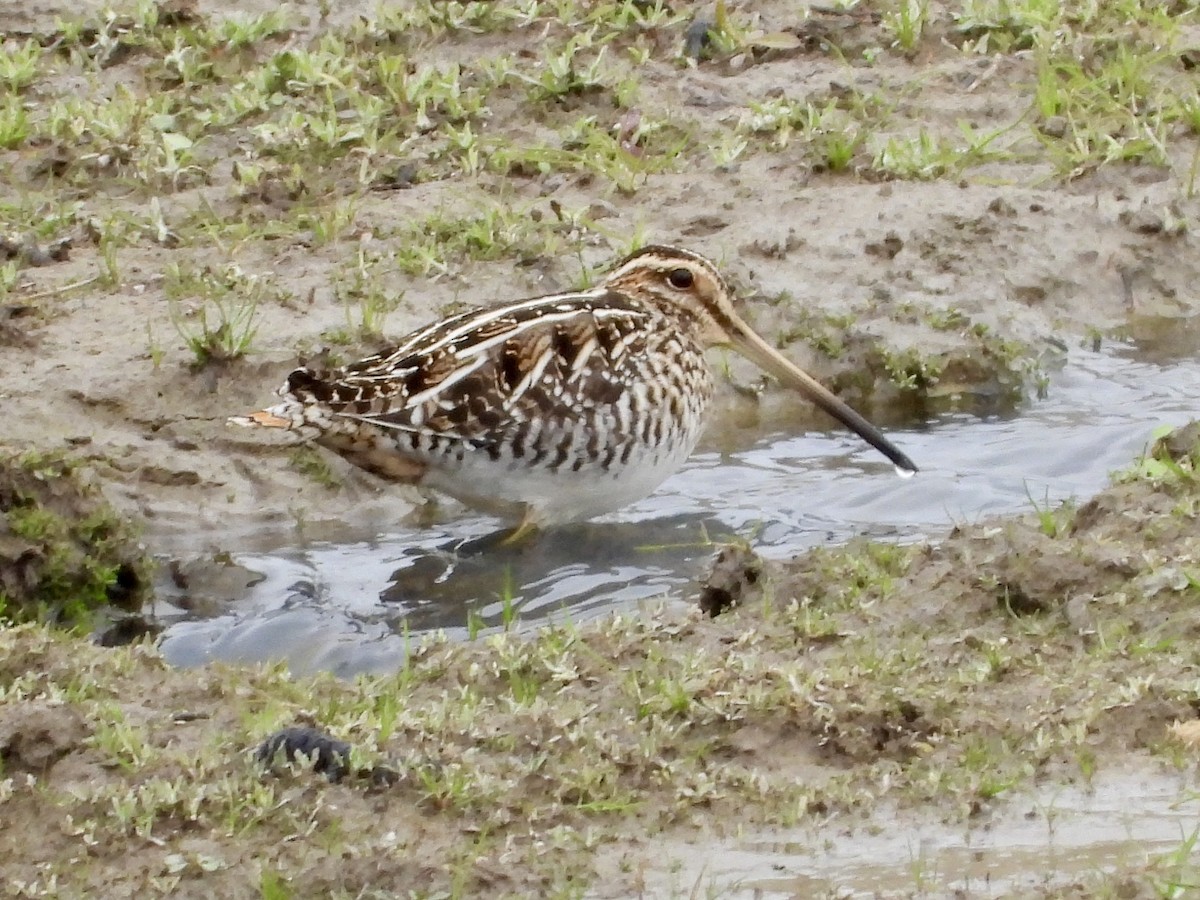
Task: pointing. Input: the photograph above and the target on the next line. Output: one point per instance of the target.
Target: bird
(551, 409)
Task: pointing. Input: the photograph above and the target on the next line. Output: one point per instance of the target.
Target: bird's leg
(429, 512)
(522, 532)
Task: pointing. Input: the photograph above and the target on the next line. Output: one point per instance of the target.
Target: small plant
(310, 462)
(329, 222)
(237, 32)
(186, 64)
(9, 275)
(910, 370)
(153, 349)
(1052, 521)
(927, 155)
(110, 266)
(1163, 464)
(906, 23)
(216, 331)
(124, 744)
(273, 885)
(834, 135)
(1004, 26)
(778, 117)
(562, 73)
(449, 786)
(508, 609)
(19, 64)
(836, 149)
(726, 35)
(365, 300)
(475, 624)
(1180, 874)
(14, 123)
(727, 149)
(220, 323)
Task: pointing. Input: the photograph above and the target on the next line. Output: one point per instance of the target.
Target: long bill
(766, 357)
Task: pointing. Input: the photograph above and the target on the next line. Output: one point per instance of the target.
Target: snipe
(549, 409)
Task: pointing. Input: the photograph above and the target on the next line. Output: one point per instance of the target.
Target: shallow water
(1044, 840)
(355, 605)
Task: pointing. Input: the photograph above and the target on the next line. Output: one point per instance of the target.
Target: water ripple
(356, 606)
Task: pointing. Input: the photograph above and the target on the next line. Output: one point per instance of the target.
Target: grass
(438, 144)
(69, 556)
(544, 747)
(1163, 463)
(554, 740)
(994, 371)
(14, 123)
(19, 65)
(905, 22)
(1052, 520)
(337, 111)
(345, 101)
(216, 312)
(1176, 873)
(311, 463)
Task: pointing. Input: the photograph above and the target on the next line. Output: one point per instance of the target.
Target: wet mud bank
(957, 676)
(944, 211)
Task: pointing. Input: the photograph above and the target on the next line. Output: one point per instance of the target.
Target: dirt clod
(35, 735)
(64, 553)
(735, 576)
(329, 756)
(1143, 221)
(886, 248)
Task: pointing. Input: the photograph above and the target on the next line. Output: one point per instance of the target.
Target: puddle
(1046, 840)
(354, 605)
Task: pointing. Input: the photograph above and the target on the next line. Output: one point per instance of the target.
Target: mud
(65, 556)
(944, 680)
(874, 688)
(907, 297)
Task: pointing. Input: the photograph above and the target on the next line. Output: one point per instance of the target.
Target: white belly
(563, 494)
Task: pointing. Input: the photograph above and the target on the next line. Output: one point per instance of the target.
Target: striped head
(687, 288)
(683, 285)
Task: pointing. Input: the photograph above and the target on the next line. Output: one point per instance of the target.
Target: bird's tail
(304, 405)
(264, 418)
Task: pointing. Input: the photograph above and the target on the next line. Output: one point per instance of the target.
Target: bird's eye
(680, 278)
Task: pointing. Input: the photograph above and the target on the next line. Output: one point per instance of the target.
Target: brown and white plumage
(553, 408)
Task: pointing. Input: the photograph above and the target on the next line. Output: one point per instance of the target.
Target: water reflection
(1161, 339)
(1037, 844)
(577, 568)
(354, 605)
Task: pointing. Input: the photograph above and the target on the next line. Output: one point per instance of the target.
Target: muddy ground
(926, 269)
(870, 689)
(971, 280)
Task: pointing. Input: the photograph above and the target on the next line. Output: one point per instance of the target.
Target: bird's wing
(489, 376)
